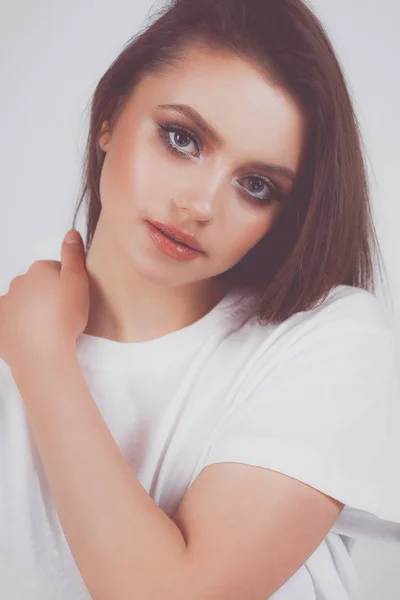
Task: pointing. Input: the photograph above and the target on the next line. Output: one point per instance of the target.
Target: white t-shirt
(316, 398)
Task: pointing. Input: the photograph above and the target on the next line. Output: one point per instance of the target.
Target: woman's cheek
(247, 234)
(142, 182)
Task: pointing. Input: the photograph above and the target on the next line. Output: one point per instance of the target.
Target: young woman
(202, 403)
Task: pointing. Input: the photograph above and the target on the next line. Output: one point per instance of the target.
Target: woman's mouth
(169, 246)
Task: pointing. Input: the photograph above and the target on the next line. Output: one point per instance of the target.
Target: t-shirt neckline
(98, 351)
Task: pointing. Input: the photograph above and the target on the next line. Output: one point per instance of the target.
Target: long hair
(325, 235)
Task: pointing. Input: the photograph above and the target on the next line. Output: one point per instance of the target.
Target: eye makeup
(164, 130)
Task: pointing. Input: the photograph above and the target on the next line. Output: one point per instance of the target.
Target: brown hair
(325, 235)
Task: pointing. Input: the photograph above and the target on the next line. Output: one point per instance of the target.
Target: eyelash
(164, 129)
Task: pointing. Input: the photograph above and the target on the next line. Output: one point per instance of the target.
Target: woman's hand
(47, 307)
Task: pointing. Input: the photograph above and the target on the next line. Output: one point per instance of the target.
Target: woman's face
(152, 172)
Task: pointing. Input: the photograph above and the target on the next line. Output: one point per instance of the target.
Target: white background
(52, 55)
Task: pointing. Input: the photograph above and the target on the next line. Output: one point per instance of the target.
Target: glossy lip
(178, 235)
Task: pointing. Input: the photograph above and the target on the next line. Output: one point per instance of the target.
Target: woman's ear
(104, 136)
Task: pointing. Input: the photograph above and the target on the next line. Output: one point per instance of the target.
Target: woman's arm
(124, 545)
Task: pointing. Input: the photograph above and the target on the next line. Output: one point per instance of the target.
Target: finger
(73, 253)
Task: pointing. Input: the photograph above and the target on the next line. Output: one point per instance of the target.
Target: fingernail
(70, 238)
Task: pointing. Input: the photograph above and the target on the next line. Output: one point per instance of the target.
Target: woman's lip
(169, 246)
(178, 234)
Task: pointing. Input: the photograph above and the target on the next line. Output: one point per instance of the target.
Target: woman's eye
(180, 140)
(261, 190)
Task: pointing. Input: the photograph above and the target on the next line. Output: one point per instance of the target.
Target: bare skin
(136, 292)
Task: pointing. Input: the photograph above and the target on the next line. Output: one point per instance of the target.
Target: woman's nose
(200, 199)
(199, 209)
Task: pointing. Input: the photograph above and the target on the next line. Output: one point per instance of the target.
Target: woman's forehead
(250, 112)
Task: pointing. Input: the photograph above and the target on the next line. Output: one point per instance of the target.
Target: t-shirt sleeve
(327, 414)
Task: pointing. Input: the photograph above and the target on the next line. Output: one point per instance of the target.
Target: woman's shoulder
(345, 308)
(352, 307)
(342, 317)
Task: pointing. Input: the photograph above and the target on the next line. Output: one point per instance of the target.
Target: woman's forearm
(124, 545)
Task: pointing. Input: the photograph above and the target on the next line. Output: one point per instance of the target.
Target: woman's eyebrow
(191, 113)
